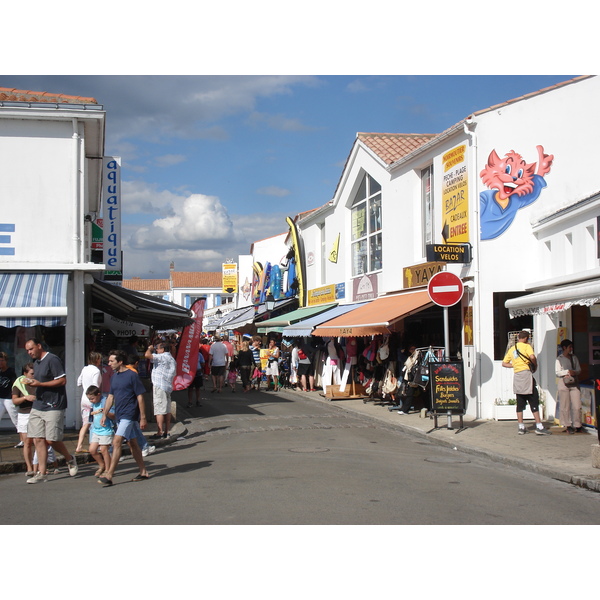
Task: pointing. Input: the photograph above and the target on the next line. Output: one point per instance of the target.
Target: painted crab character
(513, 185)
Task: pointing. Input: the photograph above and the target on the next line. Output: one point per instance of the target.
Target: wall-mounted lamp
(270, 302)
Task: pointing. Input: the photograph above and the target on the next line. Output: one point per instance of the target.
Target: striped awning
(29, 299)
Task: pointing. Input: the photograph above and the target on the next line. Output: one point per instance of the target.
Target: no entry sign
(445, 289)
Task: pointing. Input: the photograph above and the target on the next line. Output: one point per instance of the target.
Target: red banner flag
(187, 355)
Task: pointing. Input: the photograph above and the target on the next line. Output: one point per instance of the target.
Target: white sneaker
(73, 468)
(148, 450)
(38, 478)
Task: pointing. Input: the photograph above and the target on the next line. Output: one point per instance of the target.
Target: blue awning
(29, 299)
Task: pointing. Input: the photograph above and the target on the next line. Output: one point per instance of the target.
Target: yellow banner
(455, 196)
(322, 295)
(419, 275)
(230, 278)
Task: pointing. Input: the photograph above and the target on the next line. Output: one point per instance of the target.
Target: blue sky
(222, 147)
(214, 163)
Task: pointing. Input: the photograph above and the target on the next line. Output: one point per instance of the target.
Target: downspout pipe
(469, 127)
(75, 319)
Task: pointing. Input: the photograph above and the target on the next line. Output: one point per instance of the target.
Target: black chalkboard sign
(447, 385)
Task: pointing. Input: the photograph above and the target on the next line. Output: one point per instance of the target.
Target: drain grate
(308, 450)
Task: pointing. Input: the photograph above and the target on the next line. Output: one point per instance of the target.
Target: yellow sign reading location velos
(455, 196)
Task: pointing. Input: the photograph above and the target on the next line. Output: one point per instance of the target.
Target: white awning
(555, 300)
(29, 299)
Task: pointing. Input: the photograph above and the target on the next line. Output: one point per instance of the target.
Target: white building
(399, 194)
(51, 150)
(51, 161)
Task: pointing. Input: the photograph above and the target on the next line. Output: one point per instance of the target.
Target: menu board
(447, 386)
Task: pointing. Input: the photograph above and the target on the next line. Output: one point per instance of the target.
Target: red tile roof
(13, 95)
(390, 147)
(182, 279)
(147, 285)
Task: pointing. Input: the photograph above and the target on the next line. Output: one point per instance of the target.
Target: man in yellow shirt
(523, 361)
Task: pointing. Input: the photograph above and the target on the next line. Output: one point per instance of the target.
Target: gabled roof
(183, 279)
(13, 95)
(390, 147)
(147, 285)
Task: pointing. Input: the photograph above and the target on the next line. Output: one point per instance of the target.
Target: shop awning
(305, 327)
(129, 305)
(376, 317)
(243, 318)
(29, 299)
(555, 300)
(279, 323)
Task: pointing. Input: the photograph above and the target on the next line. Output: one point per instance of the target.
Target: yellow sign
(230, 278)
(468, 325)
(322, 295)
(455, 196)
(419, 275)
(333, 255)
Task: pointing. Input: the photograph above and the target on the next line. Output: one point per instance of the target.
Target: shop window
(366, 250)
(503, 323)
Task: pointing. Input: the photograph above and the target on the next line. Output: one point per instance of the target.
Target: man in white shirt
(218, 358)
(163, 373)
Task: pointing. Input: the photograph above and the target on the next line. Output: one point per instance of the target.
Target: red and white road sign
(445, 289)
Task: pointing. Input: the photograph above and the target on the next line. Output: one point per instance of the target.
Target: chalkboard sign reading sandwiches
(447, 387)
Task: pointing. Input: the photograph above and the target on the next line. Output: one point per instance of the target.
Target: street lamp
(270, 302)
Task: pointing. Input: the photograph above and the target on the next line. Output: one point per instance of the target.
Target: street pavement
(560, 456)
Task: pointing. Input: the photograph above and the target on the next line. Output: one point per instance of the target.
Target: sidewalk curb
(520, 463)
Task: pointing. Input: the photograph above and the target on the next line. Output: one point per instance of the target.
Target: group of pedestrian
(522, 359)
(40, 399)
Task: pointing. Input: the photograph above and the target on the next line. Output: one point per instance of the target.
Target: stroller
(284, 372)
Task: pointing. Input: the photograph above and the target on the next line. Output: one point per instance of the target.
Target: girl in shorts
(101, 436)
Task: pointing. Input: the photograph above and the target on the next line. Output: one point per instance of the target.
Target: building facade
(515, 187)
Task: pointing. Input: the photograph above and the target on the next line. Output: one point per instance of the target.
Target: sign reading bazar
(449, 253)
(111, 211)
(455, 195)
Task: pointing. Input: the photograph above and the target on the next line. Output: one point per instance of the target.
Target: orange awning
(376, 317)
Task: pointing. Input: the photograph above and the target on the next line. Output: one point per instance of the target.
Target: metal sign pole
(447, 351)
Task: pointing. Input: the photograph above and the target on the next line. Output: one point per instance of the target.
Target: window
(366, 228)
(427, 206)
(503, 324)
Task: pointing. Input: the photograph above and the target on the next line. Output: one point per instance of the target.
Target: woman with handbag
(569, 395)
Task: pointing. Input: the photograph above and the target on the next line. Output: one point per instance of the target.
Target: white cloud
(140, 197)
(200, 222)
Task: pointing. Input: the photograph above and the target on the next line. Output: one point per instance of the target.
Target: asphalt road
(266, 458)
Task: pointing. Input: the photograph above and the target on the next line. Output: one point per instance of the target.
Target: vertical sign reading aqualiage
(111, 207)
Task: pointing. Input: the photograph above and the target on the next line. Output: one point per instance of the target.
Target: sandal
(189, 405)
(105, 481)
(98, 473)
(141, 478)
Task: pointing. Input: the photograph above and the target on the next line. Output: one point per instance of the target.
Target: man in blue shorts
(127, 395)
